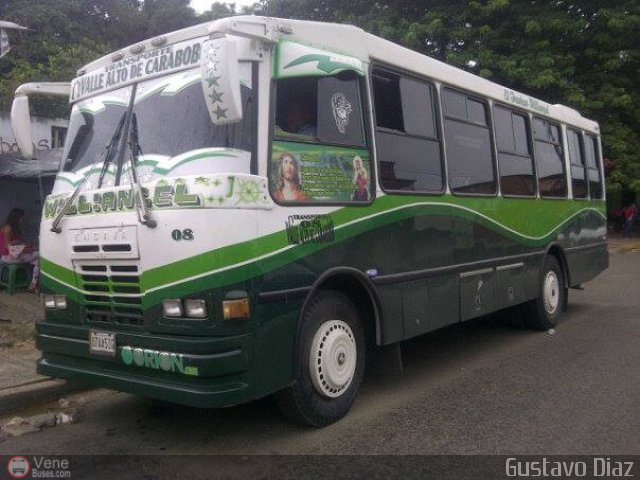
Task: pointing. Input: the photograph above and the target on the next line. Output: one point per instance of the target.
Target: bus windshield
(172, 120)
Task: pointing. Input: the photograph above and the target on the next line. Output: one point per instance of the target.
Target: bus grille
(112, 293)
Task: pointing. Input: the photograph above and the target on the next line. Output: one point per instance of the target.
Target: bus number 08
(186, 234)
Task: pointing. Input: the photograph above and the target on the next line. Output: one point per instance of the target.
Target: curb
(35, 393)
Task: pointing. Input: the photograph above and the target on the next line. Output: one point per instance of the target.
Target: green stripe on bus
(224, 266)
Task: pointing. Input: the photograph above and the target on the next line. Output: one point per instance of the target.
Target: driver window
(319, 149)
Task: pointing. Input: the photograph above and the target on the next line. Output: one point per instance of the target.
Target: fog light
(49, 301)
(60, 302)
(195, 308)
(235, 308)
(172, 308)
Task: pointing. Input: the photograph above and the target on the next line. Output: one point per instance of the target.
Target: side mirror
(20, 116)
(21, 124)
(221, 80)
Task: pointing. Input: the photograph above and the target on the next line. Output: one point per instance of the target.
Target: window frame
(565, 150)
(580, 133)
(487, 103)
(439, 128)
(529, 126)
(368, 138)
(599, 164)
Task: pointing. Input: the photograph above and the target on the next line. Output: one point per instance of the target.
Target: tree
(66, 34)
(583, 53)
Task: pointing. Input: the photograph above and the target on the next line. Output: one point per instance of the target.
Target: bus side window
(469, 148)
(576, 158)
(407, 135)
(552, 179)
(515, 156)
(593, 167)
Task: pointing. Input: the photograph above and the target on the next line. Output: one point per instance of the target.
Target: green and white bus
(249, 206)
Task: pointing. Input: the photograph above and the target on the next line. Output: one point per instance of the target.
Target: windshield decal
(319, 173)
(167, 86)
(97, 105)
(152, 166)
(297, 60)
(342, 109)
(201, 191)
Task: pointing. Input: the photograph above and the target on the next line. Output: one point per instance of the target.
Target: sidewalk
(20, 385)
(618, 244)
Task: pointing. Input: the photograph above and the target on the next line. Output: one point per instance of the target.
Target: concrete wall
(40, 128)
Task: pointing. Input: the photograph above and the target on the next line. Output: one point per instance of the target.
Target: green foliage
(584, 54)
(66, 34)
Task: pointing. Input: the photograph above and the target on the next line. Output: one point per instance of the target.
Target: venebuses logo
(18, 467)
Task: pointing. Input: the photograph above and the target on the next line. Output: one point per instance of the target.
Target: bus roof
(355, 42)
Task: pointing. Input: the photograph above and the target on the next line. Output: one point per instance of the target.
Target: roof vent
(159, 41)
(137, 49)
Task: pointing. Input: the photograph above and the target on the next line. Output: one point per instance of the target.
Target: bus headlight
(49, 301)
(60, 302)
(195, 308)
(172, 308)
(55, 302)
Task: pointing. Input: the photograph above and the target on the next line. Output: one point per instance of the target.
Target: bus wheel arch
(333, 336)
(545, 311)
(557, 251)
(360, 290)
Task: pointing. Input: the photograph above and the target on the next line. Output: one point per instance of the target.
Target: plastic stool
(14, 275)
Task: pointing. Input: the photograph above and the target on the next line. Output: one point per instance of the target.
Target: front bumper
(222, 364)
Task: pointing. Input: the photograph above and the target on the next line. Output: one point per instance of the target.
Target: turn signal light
(235, 308)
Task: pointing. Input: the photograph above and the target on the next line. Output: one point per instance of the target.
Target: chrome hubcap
(332, 362)
(551, 292)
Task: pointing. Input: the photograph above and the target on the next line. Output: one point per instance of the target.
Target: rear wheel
(330, 356)
(545, 311)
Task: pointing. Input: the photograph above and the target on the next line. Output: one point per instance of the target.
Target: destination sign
(164, 60)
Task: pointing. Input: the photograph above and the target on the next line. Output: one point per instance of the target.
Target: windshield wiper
(144, 216)
(106, 157)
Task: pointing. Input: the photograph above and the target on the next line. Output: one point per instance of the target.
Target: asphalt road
(482, 387)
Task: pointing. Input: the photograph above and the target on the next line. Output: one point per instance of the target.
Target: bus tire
(544, 312)
(329, 362)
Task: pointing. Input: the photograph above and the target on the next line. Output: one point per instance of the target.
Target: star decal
(216, 96)
(213, 80)
(221, 112)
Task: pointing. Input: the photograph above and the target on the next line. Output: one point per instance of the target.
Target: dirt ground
(18, 315)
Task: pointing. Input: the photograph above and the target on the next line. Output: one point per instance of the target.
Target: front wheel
(329, 356)
(544, 312)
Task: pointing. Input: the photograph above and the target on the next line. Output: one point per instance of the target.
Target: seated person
(296, 118)
(300, 119)
(21, 253)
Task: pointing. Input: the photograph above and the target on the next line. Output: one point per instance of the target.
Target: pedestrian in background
(630, 220)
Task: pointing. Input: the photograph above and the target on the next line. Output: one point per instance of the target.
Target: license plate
(102, 343)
